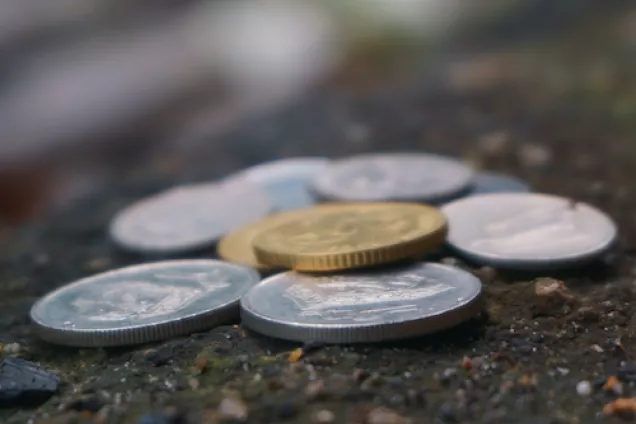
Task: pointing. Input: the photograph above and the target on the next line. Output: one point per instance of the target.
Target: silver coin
(528, 231)
(286, 181)
(489, 182)
(396, 176)
(143, 303)
(360, 307)
(188, 217)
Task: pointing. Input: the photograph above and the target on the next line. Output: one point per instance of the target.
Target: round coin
(143, 303)
(398, 176)
(489, 182)
(362, 306)
(286, 181)
(237, 246)
(528, 231)
(188, 218)
(343, 236)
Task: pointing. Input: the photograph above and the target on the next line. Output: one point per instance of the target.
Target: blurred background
(89, 88)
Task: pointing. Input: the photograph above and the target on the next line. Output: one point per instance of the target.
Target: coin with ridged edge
(528, 231)
(362, 306)
(341, 236)
(143, 303)
(399, 177)
(236, 246)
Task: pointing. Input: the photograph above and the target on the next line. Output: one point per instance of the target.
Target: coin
(143, 303)
(343, 236)
(396, 176)
(286, 181)
(489, 182)
(362, 306)
(528, 231)
(237, 246)
(188, 217)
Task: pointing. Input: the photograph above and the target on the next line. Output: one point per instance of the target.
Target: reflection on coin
(188, 217)
(489, 182)
(397, 176)
(143, 303)
(528, 231)
(236, 247)
(343, 236)
(372, 306)
(286, 181)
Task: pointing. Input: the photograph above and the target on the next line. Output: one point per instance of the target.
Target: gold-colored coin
(351, 235)
(236, 246)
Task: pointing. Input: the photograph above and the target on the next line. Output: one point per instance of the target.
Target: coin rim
(413, 248)
(545, 263)
(363, 333)
(137, 334)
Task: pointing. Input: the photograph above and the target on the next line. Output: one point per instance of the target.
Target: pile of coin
(342, 245)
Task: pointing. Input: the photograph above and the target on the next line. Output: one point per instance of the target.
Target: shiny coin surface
(188, 218)
(143, 303)
(397, 176)
(528, 231)
(343, 236)
(237, 247)
(489, 182)
(286, 181)
(369, 306)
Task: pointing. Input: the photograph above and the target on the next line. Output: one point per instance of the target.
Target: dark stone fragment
(286, 410)
(627, 373)
(153, 419)
(25, 383)
(91, 404)
(447, 413)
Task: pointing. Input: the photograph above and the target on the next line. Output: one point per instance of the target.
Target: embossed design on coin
(396, 176)
(331, 237)
(394, 303)
(188, 217)
(142, 303)
(523, 230)
(286, 181)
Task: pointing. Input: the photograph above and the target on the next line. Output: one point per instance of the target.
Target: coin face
(343, 236)
(398, 176)
(188, 217)
(143, 303)
(393, 303)
(237, 247)
(286, 181)
(489, 182)
(528, 231)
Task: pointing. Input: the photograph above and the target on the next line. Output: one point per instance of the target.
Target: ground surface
(563, 123)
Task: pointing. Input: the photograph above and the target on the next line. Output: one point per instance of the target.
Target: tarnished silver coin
(490, 182)
(357, 307)
(393, 177)
(528, 231)
(286, 181)
(188, 217)
(143, 303)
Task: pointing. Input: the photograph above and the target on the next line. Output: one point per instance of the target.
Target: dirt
(559, 115)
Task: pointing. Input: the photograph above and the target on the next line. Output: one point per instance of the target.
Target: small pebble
(384, 415)
(11, 348)
(584, 388)
(324, 417)
(233, 409)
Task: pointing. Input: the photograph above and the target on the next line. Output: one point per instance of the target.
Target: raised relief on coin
(347, 230)
(533, 230)
(159, 294)
(361, 298)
